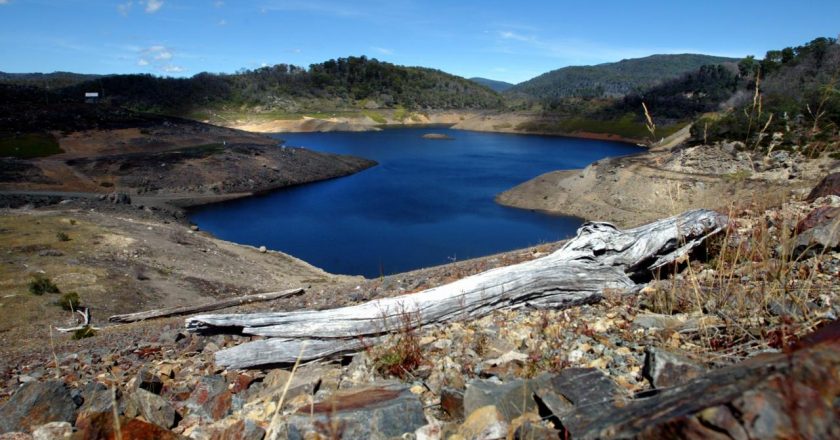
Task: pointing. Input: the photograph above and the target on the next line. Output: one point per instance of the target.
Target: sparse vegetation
(62, 236)
(84, 332)
(29, 145)
(400, 354)
(40, 284)
(69, 301)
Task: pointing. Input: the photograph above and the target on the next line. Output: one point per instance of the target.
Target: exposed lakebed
(428, 202)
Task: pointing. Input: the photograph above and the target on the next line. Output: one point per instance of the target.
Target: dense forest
(611, 79)
(354, 82)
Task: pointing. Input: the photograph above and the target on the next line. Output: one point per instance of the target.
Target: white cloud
(218, 3)
(169, 68)
(163, 55)
(153, 6)
(222, 22)
(142, 62)
(4, 2)
(510, 35)
(383, 50)
(125, 8)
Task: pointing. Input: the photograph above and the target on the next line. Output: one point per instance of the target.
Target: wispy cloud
(125, 8)
(383, 50)
(510, 35)
(218, 3)
(4, 2)
(158, 57)
(315, 6)
(222, 22)
(153, 6)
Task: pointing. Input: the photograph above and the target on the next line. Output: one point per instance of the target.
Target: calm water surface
(428, 202)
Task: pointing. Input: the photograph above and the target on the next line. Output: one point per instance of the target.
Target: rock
(53, 431)
(155, 409)
(511, 398)
(98, 426)
(37, 403)
(50, 253)
(263, 249)
(485, 423)
(146, 380)
(452, 401)
(782, 395)
(437, 136)
(823, 236)
(665, 369)
(230, 430)
(97, 398)
(529, 426)
(118, 198)
(210, 399)
(817, 217)
(576, 395)
(829, 185)
(374, 412)
(15, 436)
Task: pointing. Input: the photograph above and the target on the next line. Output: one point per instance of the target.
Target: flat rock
(38, 403)
(53, 431)
(665, 369)
(576, 396)
(97, 398)
(823, 234)
(374, 412)
(511, 398)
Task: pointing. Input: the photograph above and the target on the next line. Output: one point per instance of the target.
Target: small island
(438, 136)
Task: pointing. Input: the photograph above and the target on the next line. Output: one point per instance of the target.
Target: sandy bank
(636, 189)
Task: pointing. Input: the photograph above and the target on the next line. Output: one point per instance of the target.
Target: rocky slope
(709, 347)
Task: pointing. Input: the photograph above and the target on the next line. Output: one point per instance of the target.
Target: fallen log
(206, 307)
(600, 257)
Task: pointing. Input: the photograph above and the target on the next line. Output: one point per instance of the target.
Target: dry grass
(758, 293)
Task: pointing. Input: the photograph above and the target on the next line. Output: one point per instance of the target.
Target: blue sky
(506, 40)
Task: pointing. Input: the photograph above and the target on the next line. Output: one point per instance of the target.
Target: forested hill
(499, 86)
(612, 79)
(354, 82)
(53, 80)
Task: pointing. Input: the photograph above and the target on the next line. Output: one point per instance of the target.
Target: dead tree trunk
(600, 257)
(206, 307)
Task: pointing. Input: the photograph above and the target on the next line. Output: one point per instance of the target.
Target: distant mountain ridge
(492, 84)
(612, 79)
(54, 80)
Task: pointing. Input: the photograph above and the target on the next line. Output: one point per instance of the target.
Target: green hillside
(611, 79)
(344, 83)
(498, 86)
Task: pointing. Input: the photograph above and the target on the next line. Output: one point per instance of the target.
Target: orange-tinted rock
(829, 185)
(101, 426)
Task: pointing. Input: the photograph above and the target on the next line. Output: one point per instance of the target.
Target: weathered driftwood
(184, 310)
(85, 313)
(600, 257)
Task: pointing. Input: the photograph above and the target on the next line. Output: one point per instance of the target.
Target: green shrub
(69, 301)
(84, 332)
(40, 285)
(61, 236)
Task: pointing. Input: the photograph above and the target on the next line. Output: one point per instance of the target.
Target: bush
(61, 236)
(84, 332)
(40, 285)
(69, 301)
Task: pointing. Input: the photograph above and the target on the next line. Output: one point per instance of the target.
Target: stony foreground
(741, 342)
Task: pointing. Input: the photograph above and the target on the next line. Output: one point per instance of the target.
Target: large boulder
(97, 426)
(38, 403)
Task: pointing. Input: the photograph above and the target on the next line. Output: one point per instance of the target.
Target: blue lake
(428, 202)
